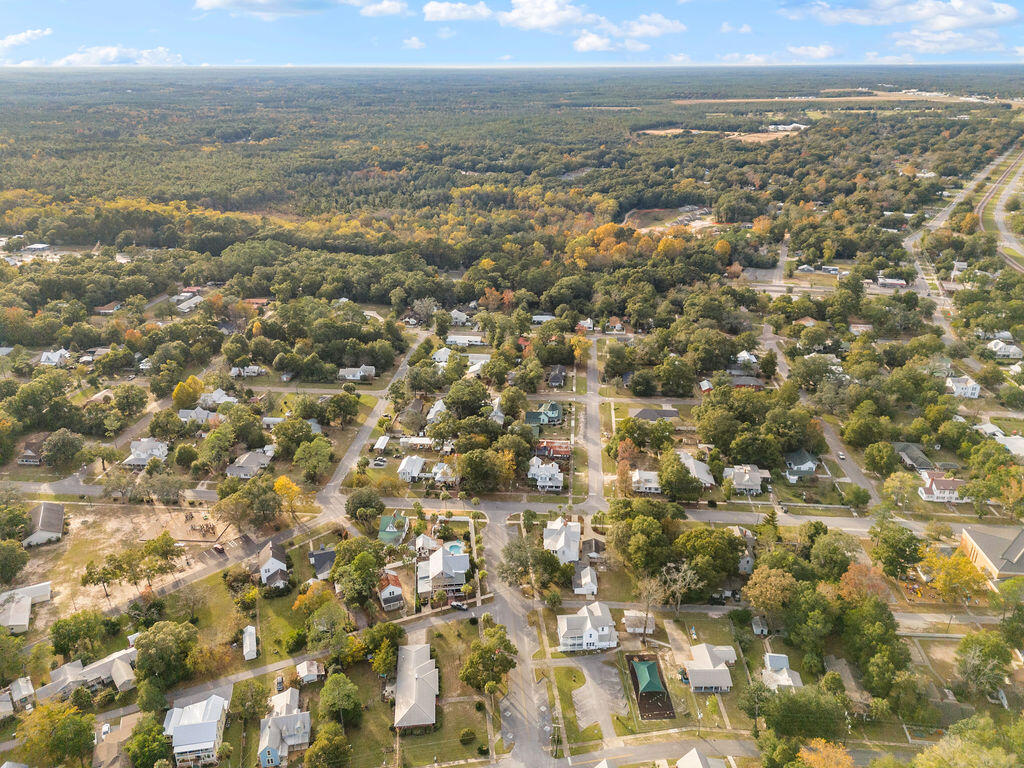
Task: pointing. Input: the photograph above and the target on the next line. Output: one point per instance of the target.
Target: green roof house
(647, 678)
(392, 528)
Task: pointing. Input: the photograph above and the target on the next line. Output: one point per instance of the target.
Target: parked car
(458, 606)
(279, 683)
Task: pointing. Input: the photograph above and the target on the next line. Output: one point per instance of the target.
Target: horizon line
(508, 65)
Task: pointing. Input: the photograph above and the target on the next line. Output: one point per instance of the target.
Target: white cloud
(933, 15)
(445, 33)
(588, 42)
(22, 38)
(743, 29)
(635, 46)
(679, 58)
(750, 59)
(816, 52)
(1019, 50)
(384, 8)
(877, 58)
(947, 41)
(413, 43)
(651, 25)
(439, 11)
(545, 14)
(120, 56)
(268, 10)
(506, 57)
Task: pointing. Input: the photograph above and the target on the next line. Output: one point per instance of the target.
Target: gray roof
(48, 517)
(195, 726)
(653, 414)
(1005, 552)
(416, 687)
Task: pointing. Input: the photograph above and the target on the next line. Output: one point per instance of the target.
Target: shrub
(483, 749)
(467, 736)
(295, 641)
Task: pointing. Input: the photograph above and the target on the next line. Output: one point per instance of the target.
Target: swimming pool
(455, 547)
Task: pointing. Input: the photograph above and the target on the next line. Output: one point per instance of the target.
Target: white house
(777, 674)
(645, 481)
(249, 643)
(459, 317)
(589, 629)
(444, 569)
(434, 414)
(55, 357)
(699, 469)
(746, 478)
(389, 591)
(196, 731)
(584, 580)
(541, 319)
(697, 759)
(416, 687)
(411, 469)
(465, 340)
(117, 669)
(273, 565)
(247, 371)
(212, 400)
(22, 692)
(248, 465)
(196, 414)
(1004, 351)
(637, 623)
(309, 671)
(286, 728)
(800, 463)
(362, 373)
(143, 450)
(746, 359)
(708, 671)
(563, 538)
(963, 386)
(938, 487)
(746, 565)
(425, 545)
(548, 475)
(444, 474)
(16, 605)
(46, 524)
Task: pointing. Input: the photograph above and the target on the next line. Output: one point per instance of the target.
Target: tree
(162, 651)
(861, 581)
(676, 481)
(896, 548)
(189, 600)
(680, 580)
(147, 744)
(770, 590)
(289, 493)
(832, 553)
(489, 659)
(339, 700)
(13, 558)
(185, 454)
(61, 447)
(466, 398)
(290, 434)
(55, 733)
(806, 712)
(983, 660)
(385, 660)
(898, 487)
(10, 655)
(314, 458)
(954, 577)
(880, 458)
(13, 521)
(186, 393)
(68, 632)
(151, 696)
(330, 749)
(650, 591)
(819, 753)
(1008, 595)
(363, 499)
(249, 699)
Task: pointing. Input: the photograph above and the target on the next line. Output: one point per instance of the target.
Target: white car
(842, 456)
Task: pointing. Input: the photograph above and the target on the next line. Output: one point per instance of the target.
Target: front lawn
(567, 680)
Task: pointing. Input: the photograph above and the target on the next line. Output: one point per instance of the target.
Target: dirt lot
(95, 530)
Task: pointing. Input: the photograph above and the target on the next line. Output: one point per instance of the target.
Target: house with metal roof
(997, 556)
(562, 537)
(699, 469)
(591, 628)
(46, 524)
(196, 731)
(444, 569)
(708, 670)
(416, 687)
(776, 673)
(697, 759)
(285, 729)
(249, 650)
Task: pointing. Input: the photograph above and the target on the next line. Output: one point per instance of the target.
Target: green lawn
(450, 642)
(567, 680)
(372, 741)
(444, 745)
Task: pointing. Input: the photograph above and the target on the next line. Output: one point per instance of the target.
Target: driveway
(601, 696)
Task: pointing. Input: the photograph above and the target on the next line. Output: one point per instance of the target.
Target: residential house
(46, 524)
(549, 414)
(362, 373)
(285, 729)
(196, 731)
(963, 386)
(389, 591)
(645, 481)
(215, 399)
(592, 550)
(547, 475)
(381, 444)
(248, 465)
(586, 325)
(110, 741)
(392, 528)
(656, 414)
(189, 305)
(249, 649)
(31, 454)
(776, 673)
(247, 371)
(747, 478)
(143, 451)
(197, 414)
(425, 545)
(637, 623)
(614, 325)
(699, 469)
(444, 569)
(759, 625)
(938, 487)
(591, 628)
(117, 669)
(995, 555)
(434, 414)
(554, 449)
(912, 457)
(705, 386)
(1004, 351)
(708, 671)
(416, 687)
(562, 537)
(746, 382)
(6, 706)
(459, 318)
(55, 358)
(109, 308)
(697, 759)
(497, 415)
(1013, 443)
(273, 563)
(322, 561)
(443, 474)
(309, 671)
(556, 377)
(16, 605)
(541, 319)
(746, 360)
(800, 464)
(464, 340)
(410, 470)
(584, 579)
(891, 282)
(746, 564)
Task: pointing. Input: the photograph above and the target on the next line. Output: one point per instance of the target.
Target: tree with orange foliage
(818, 753)
(861, 581)
(308, 602)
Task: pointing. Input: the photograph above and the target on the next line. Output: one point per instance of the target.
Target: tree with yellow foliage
(722, 249)
(288, 492)
(819, 753)
(580, 347)
(955, 578)
(308, 602)
(186, 393)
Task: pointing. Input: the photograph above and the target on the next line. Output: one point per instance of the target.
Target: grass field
(567, 680)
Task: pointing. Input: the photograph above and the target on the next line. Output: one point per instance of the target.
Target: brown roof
(389, 579)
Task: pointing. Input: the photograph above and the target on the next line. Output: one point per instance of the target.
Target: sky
(160, 33)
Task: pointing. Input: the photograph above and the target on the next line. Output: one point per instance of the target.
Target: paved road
(997, 195)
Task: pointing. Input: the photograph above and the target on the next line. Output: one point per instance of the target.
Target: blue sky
(507, 32)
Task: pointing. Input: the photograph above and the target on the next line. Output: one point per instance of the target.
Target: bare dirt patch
(762, 138)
